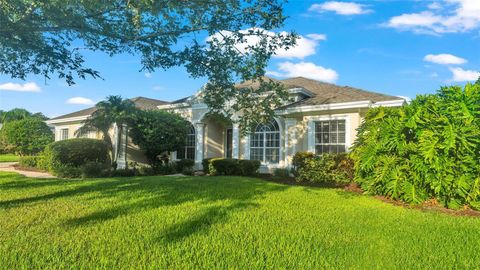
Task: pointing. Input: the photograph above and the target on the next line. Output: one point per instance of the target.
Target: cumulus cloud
(80, 101)
(18, 87)
(444, 59)
(148, 75)
(449, 16)
(340, 8)
(306, 45)
(305, 69)
(462, 75)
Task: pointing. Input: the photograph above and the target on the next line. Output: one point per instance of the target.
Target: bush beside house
(325, 168)
(427, 150)
(230, 166)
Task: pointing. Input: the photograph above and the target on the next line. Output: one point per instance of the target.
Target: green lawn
(8, 158)
(219, 222)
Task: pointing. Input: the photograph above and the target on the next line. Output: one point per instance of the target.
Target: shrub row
(325, 168)
(230, 166)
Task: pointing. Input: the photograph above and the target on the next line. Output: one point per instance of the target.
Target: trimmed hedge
(325, 168)
(184, 164)
(230, 166)
(75, 152)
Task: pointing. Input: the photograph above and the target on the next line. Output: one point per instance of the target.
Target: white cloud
(434, 5)
(157, 88)
(444, 59)
(462, 75)
(148, 75)
(317, 36)
(306, 45)
(80, 100)
(305, 69)
(449, 16)
(18, 87)
(340, 8)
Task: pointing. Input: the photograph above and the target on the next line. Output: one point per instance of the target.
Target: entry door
(228, 143)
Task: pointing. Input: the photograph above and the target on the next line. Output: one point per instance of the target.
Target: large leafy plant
(429, 149)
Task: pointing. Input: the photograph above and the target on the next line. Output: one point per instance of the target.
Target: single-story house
(321, 117)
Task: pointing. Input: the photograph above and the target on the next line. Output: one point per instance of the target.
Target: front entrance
(228, 142)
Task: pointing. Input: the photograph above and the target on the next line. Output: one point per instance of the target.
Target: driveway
(9, 167)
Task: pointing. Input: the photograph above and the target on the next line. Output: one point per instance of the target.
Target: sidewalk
(8, 167)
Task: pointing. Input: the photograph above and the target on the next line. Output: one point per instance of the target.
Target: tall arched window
(188, 151)
(265, 143)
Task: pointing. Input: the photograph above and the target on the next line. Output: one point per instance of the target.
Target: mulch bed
(428, 206)
(29, 169)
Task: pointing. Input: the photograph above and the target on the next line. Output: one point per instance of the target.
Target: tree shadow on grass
(127, 196)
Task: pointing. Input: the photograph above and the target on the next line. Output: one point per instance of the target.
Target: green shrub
(326, 168)
(298, 160)
(225, 166)
(65, 171)
(249, 167)
(206, 165)
(29, 161)
(230, 166)
(93, 169)
(184, 163)
(429, 149)
(281, 173)
(122, 173)
(145, 171)
(26, 137)
(75, 152)
(165, 169)
(188, 171)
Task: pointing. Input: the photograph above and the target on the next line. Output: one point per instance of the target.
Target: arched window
(188, 151)
(265, 143)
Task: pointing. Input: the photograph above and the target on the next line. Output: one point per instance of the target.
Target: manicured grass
(8, 158)
(219, 222)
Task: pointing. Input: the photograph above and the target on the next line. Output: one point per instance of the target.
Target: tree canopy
(26, 137)
(158, 132)
(19, 114)
(226, 41)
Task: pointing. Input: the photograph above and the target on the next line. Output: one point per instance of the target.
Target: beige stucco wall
(72, 128)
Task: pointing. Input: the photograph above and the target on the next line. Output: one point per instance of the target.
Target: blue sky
(401, 48)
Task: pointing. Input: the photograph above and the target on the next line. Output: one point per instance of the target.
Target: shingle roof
(326, 93)
(140, 102)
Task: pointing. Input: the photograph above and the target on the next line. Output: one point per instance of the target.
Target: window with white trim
(188, 151)
(330, 136)
(63, 134)
(265, 143)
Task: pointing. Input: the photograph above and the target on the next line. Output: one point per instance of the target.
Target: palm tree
(114, 111)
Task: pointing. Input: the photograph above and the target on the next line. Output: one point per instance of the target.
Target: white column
(200, 144)
(235, 141)
(290, 140)
(246, 147)
(311, 136)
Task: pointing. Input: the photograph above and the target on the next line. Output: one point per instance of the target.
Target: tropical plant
(26, 137)
(158, 132)
(225, 41)
(429, 149)
(114, 112)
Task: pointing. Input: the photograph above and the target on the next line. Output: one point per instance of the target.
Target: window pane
(341, 126)
(333, 126)
(191, 152)
(341, 137)
(271, 155)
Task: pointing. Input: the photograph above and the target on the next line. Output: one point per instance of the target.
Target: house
(321, 118)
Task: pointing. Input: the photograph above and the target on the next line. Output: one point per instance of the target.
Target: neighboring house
(66, 125)
(321, 118)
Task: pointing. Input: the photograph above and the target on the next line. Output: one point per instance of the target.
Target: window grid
(265, 143)
(330, 136)
(188, 151)
(63, 133)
